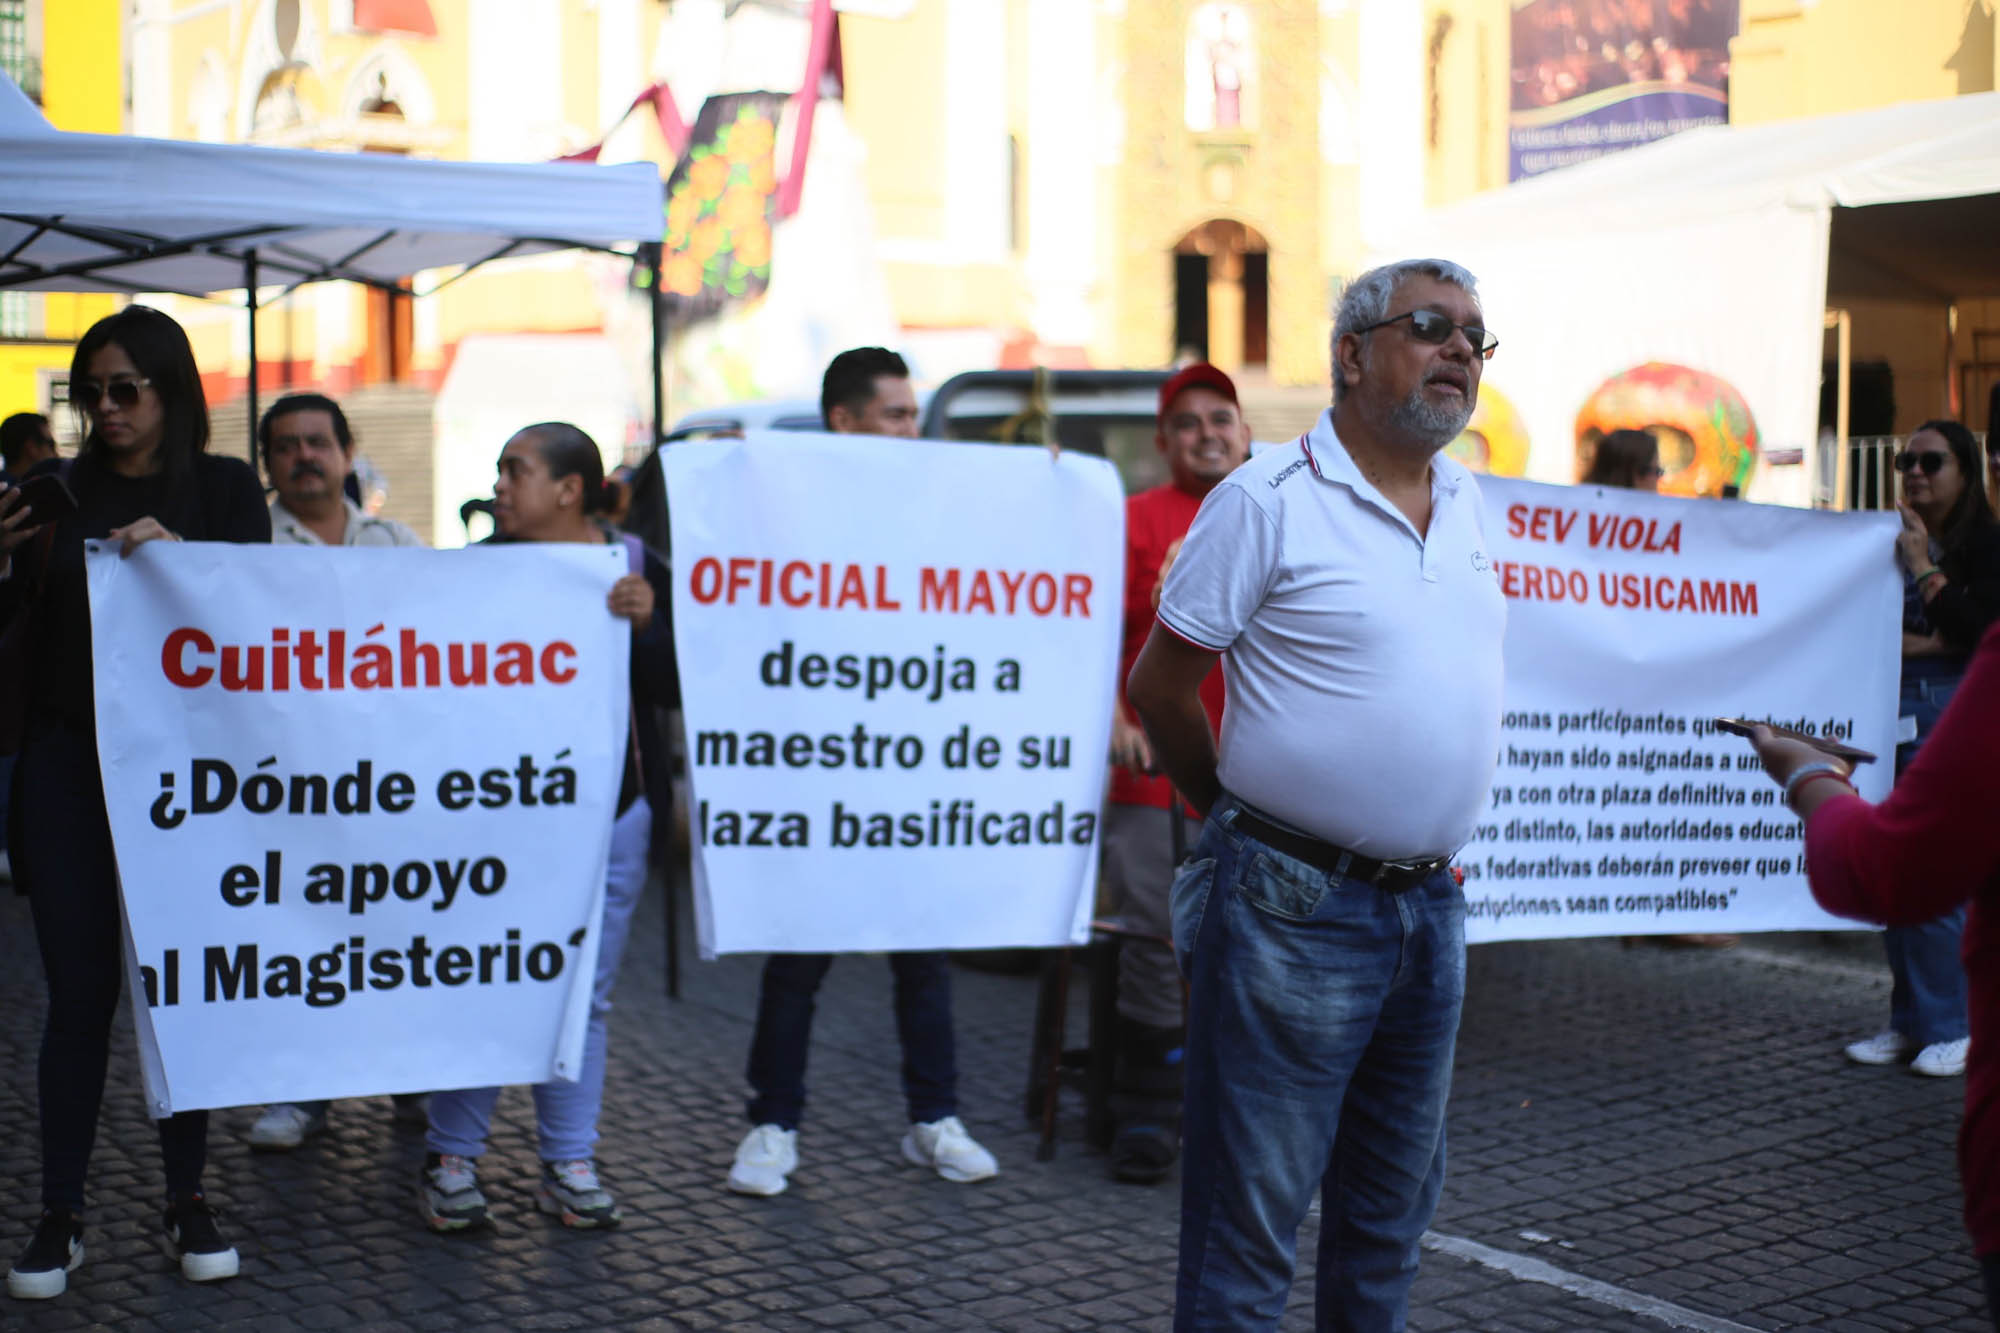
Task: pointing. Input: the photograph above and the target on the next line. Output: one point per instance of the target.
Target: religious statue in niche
(1221, 64)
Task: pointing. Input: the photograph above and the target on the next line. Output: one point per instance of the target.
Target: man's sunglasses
(1428, 326)
(1931, 463)
(123, 393)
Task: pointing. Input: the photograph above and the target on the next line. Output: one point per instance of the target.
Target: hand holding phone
(1737, 726)
(40, 500)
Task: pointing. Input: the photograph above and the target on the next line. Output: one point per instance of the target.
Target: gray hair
(1366, 300)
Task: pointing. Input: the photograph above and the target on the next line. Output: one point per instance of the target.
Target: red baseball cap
(1199, 375)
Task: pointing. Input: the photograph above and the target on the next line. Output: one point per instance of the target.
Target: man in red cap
(1202, 436)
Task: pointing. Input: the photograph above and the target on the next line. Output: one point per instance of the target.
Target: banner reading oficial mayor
(1633, 621)
(897, 664)
(361, 801)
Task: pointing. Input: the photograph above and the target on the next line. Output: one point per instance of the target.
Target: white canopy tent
(110, 213)
(1721, 249)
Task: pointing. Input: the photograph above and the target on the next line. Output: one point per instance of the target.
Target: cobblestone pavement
(1641, 1138)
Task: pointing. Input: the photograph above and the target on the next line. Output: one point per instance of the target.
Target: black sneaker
(44, 1267)
(205, 1255)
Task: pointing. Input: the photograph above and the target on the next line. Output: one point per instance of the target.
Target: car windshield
(1126, 441)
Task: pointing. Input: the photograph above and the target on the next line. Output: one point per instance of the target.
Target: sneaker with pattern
(570, 1190)
(448, 1193)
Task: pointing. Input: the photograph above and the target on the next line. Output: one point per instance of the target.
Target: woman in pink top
(1932, 845)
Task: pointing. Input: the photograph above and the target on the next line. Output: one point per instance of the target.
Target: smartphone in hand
(47, 498)
(1737, 726)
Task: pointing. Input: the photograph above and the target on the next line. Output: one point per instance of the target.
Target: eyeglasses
(1428, 326)
(1931, 463)
(123, 393)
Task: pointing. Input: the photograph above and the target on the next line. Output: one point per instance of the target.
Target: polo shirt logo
(1480, 564)
(1279, 480)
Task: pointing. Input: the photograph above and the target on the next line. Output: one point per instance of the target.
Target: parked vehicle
(1109, 413)
(1106, 413)
(736, 418)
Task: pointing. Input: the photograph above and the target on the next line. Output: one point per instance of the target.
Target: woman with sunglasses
(143, 474)
(1626, 458)
(1950, 553)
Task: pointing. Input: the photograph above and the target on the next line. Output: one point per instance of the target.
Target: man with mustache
(1345, 581)
(308, 452)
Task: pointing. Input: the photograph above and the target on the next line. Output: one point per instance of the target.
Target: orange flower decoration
(753, 246)
(750, 139)
(683, 211)
(707, 239)
(683, 276)
(740, 208)
(763, 178)
(707, 177)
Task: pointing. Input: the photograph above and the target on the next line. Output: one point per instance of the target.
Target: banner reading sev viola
(1633, 621)
(897, 662)
(361, 801)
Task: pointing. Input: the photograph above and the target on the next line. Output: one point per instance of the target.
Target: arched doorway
(1222, 295)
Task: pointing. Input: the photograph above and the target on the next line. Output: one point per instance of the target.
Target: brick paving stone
(1676, 1123)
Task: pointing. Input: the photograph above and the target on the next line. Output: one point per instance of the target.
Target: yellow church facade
(1068, 182)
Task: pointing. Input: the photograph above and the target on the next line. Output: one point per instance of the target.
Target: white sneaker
(945, 1147)
(284, 1127)
(766, 1156)
(1884, 1048)
(1942, 1059)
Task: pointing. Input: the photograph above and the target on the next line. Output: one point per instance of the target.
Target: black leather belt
(1393, 876)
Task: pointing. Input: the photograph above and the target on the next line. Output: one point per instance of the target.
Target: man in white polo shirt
(1346, 582)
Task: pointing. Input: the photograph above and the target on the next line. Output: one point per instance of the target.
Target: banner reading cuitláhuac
(897, 664)
(1633, 621)
(362, 802)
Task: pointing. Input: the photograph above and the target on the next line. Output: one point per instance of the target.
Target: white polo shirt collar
(1332, 464)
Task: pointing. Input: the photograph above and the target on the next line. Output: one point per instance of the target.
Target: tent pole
(658, 303)
(250, 305)
(658, 306)
(1843, 461)
(1953, 408)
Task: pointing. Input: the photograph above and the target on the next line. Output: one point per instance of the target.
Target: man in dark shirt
(26, 445)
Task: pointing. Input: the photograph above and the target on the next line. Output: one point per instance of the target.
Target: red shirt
(1154, 520)
(1930, 846)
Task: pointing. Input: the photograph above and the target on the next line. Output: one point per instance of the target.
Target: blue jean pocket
(1186, 901)
(1282, 887)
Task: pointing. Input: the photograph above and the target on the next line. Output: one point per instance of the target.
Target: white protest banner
(1633, 621)
(897, 663)
(361, 801)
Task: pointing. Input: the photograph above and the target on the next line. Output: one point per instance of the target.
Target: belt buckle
(1412, 872)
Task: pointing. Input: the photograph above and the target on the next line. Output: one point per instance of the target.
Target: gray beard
(1426, 422)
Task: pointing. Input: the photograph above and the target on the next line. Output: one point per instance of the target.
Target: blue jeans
(1321, 1021)
(785, 1005)
(565, 1112)
(1927, 996)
